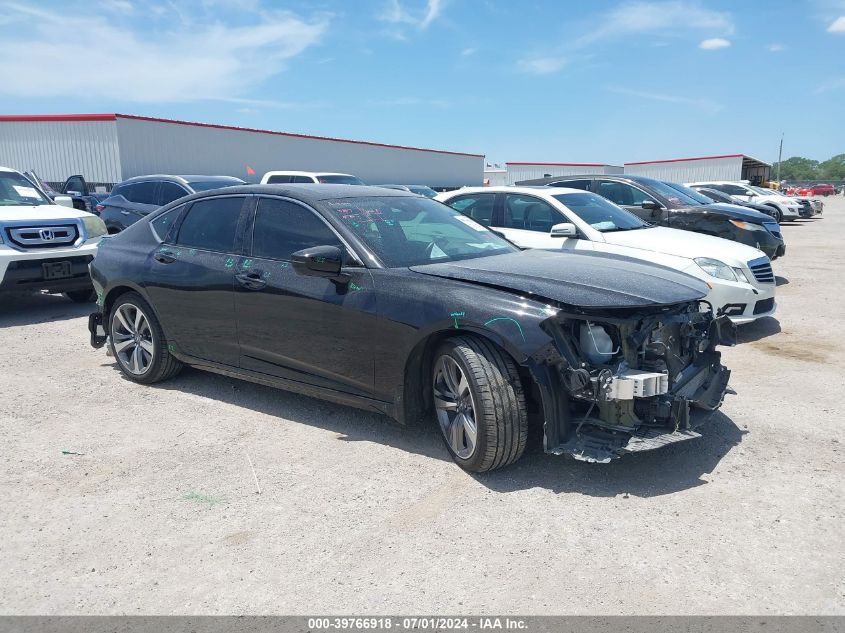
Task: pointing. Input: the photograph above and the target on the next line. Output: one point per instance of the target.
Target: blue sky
(515, 80)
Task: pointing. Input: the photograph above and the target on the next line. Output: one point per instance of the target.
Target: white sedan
(740, 278)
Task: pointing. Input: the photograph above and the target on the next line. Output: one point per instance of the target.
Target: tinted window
(600, 214)
(282, 228)
(169, 192)
(572, 184)
(76, 183)
(141, 192)
(118, 190)
(621, 193)
(161, 224)
(211, 224)
(278, 180)
(732, 190)
(690, 193)
(530, 213)
(337, 179)
(413, 230)
(301, 179)
(478, 206)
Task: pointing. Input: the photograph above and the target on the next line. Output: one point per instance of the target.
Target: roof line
(565, 164)
(113, 117)
(681, 160)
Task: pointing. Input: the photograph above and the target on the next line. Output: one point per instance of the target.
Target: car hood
(51, 212)
(739, 213)
(588, 280)
(686, 244)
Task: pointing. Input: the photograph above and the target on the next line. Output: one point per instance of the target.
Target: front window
(530, 213)
(15, 190)
(622, 193)
(412, 231)
(599, 213)
(340, 179)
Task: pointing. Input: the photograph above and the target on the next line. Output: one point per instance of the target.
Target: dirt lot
(154, 508)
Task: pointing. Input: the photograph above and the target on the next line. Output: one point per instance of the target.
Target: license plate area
(57, 270)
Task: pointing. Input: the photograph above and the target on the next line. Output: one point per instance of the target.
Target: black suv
(666, 204)
(136, 197)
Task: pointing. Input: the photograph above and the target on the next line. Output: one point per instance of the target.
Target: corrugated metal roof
(115, 116)
(682, 160)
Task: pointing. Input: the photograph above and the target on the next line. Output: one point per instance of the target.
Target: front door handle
(252, 281)
(165, 257)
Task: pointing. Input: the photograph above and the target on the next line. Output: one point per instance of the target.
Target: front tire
(138, 343)
(479, 404)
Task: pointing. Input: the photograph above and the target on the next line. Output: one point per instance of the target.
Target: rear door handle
(252, 281)
(165, 257)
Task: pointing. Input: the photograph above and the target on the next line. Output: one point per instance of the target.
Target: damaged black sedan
(398, 304)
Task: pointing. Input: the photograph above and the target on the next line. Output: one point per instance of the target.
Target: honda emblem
(46, 235)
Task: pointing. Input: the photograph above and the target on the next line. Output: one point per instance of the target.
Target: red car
(817, 190)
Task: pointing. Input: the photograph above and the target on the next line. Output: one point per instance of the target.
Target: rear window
(338, 179)
(211, 224)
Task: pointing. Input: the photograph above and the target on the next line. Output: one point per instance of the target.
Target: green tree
(833, 168)
(797, 168)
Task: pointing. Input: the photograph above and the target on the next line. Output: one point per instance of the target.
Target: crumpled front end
(621, 381)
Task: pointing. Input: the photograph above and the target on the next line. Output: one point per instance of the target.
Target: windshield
(421, 190)
(208, 185)
(765, 192)
(669, 192)
(691, 193)
(409, 231)
(600, 213)
(15, 190)
(340, 179)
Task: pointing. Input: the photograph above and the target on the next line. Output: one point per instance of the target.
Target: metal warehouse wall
(727, 168)
(148, 147)
(518, 172)
(58, 149)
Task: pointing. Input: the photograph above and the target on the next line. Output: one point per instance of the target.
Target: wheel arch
(416, 399)
(114, 293)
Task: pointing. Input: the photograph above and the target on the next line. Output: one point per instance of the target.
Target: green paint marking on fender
(193, 251)
(354, 286)
(230, 262)
(247, 264)
(455, 316)
(171, 347)
(508, 319)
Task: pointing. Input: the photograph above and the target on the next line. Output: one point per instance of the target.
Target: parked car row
(597, 305)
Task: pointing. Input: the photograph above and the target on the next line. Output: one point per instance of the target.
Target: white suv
(787, 208)
(326, 178)
(740, 278)
(44, 245)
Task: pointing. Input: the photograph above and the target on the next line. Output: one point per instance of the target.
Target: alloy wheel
(455, 407)
(132, 339)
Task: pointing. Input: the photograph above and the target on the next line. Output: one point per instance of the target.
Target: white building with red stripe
(108, 148)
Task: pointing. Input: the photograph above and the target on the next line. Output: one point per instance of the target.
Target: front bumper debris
(95, 327)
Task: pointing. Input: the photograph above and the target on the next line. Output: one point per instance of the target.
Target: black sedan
(396, 303)
(664, 204)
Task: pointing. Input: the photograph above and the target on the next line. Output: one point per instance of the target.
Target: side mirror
(65, 201)
(565, 229)
(74, 193)
(318, 261)
(651, 204)
(750, 194)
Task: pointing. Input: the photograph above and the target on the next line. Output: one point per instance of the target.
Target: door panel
(191, 280)
(297, 326)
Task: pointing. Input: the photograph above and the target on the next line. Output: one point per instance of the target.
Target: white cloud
(467, 52)
(541, 65)
(206, 61)
(118, 6)
(775, 48)
(714, 43)
(394, 12)
(676, 17)
(837, 26)
(702, 104)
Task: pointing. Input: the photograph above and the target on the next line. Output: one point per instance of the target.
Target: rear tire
(82, 296)
(479, 404)
(138, 343)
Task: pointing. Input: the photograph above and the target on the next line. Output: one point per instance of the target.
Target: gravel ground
(154, 508)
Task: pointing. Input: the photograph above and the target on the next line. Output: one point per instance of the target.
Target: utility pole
(780, 155)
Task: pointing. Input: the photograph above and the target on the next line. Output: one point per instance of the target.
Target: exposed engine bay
(625, 380)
